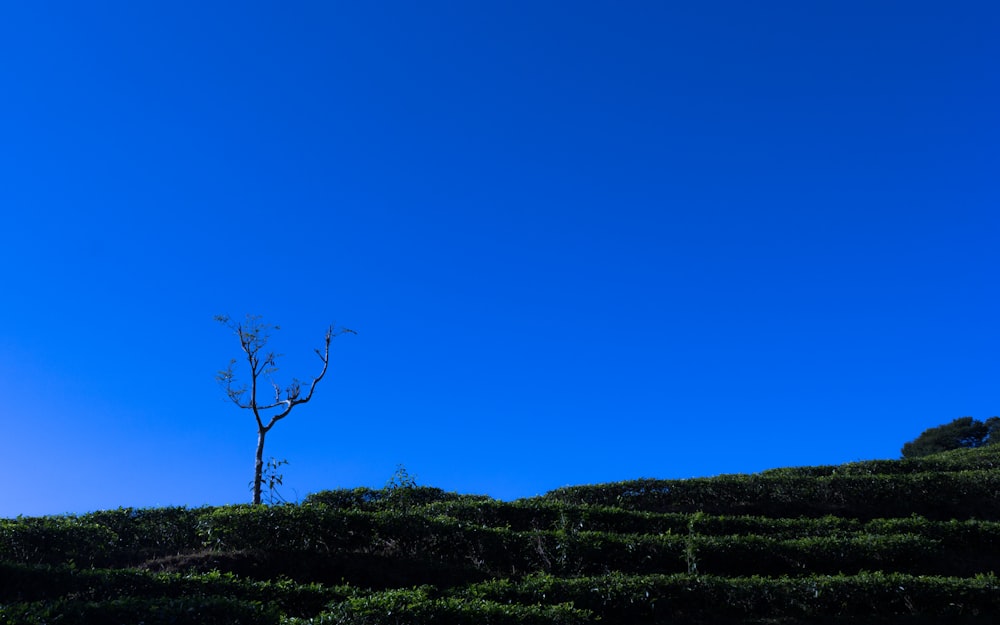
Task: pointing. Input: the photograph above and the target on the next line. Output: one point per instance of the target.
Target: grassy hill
(888, 541)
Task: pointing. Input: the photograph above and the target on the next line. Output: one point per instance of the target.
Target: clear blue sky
(580, 242)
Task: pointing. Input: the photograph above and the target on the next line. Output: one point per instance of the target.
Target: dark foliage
(964, 432)
(913, 541)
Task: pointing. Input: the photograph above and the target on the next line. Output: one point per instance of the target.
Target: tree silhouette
(253, 335)
(962, 432)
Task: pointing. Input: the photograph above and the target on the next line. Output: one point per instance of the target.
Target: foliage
(145, 533)
(273, 480)
(964, 432)
(369, 499)
(937, 495)
(55, 539)
(420, 605)
(684, 598)
(401, 479)
(179, 611)
(908, 541)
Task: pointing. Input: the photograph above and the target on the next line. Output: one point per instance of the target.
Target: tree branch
(292, 397)
(253, 336)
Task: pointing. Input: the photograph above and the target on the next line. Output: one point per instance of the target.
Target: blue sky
(580, 242)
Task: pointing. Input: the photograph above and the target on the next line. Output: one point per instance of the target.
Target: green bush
(937, 495)
(146, 533)
(373, 500)
(419, 605)
(619, 598)
(20, 583)
(786, 546)
(55, 539)
(308, 528)
(977, 459)
(180, 611)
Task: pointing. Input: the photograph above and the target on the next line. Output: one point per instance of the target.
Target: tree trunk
(258, 470)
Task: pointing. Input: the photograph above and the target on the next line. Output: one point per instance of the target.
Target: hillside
(888, 541)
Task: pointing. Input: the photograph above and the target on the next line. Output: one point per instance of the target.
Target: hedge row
(889, 545)
(981, 458)
(423, 605)
(123, 536)
(317, 529)
(754, 544)
(940, 496)
(374, 500)
(548, 600)
(145, 533)
(590, 553)
(532, 514)
(54, 539)
(20, 583)
(364, 519)
(179, 611)
(420, 550)
(620, 598)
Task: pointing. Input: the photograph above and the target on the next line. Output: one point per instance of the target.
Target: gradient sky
(580, 242)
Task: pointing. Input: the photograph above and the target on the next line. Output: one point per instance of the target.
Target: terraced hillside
(910, 541)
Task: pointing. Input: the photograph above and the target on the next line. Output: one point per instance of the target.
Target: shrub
(372, 500)
(55, 539)
(181, 611)
(403, 607)
(146, 533)
(937, 495)
(867, 597)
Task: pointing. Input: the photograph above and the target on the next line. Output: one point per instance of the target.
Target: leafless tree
(253, 335)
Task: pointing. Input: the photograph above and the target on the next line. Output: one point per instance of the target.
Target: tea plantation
(890, 541)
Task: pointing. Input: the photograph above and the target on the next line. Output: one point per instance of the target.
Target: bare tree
(253, 335)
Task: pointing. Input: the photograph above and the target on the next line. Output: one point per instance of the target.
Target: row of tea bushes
(40, 584)
(787, 546)
(940, 496)
(179, 611)
(548, 600)
(85, 597)
(977, 459)
(374, 500)
(426, 605)
(415, 555)
(108, 537)
(736, 555)
(670, 599)
(781, 546)
(534, 514)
